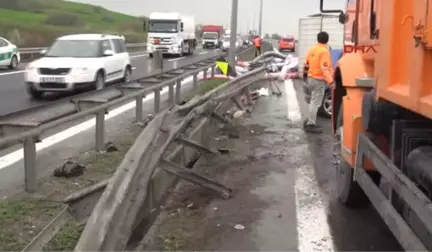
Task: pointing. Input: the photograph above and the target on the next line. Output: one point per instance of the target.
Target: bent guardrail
(119, 210)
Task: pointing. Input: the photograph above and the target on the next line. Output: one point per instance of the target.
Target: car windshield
(288, 39)
(210, 35)
(75, 49)
(163, 26)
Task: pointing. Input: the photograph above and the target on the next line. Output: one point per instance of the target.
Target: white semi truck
(171, 34)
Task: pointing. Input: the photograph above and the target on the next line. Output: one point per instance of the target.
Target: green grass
(23, 217)
(205, 86)
(208, 85)
(37, 23)
(67, 238)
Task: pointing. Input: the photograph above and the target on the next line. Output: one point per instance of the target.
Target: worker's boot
(312, 128)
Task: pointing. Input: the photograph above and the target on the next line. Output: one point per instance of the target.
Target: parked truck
(212, 36)
(382, 115)
(171, 33)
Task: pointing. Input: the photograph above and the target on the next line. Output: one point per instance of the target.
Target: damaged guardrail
(23, 129)
(119, 209)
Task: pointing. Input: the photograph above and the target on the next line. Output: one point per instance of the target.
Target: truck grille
(162, 41)
(54, 71)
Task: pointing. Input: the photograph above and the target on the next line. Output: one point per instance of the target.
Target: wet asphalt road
(13, 95)
(284, 193)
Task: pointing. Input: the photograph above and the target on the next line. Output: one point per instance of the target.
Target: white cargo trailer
(309, 28)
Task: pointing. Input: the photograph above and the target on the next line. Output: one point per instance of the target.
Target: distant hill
(36, 23)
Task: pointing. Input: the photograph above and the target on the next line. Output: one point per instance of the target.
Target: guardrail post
(139, 108)
(205, 74)
(30, 164)
(213, 69)
(171, 94)
(195, 82)
(178, 91)
(100, 131)
(157, 98)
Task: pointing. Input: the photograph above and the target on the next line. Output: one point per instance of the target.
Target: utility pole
(260, 18)
(233, 35)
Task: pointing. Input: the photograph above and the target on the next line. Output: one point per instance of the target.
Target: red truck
(212, 36)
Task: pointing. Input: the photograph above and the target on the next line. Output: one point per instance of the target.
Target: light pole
(233, 35)
(260, 18)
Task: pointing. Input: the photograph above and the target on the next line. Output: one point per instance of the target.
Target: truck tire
(349, 192)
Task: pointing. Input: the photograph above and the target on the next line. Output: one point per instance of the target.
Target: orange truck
(382, 115)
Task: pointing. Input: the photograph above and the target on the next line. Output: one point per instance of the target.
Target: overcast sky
(280, 16)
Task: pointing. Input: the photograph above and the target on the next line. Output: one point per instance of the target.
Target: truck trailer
(382, 115)
(171, 33)
(212, 36)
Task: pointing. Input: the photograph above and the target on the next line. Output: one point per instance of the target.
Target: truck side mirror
(342, 18)
(144, 26)
(181, 26)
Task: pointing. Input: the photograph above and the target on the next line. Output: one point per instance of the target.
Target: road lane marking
(202, 53)
(138, 56)
(14, 72)
(177, 59)
(16, 156)
(313, 230)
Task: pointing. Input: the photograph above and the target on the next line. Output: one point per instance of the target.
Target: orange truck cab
(287, 43)
(382, 114)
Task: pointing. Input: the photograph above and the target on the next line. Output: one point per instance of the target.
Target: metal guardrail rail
(114, 222)
(28, 126)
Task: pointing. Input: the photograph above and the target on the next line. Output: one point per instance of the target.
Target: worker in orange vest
(257, 43)
(319, 74)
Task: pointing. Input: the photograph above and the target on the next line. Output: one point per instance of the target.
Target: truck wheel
(34, 93)
(349, 192)
(193, 48)
(181, 54)
(150, 55)
(326, 107)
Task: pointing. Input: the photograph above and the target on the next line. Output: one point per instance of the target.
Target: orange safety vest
(257, 42)
(318, 60)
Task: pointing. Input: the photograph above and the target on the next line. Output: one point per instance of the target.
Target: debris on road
(110, 147)
(239, 227)
(69, 169)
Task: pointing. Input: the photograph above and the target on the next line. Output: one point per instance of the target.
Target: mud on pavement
(280, 202)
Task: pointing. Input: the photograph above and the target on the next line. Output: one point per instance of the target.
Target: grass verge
(37, 23)
(23, 216)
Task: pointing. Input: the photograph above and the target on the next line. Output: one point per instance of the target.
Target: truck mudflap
(400, 184)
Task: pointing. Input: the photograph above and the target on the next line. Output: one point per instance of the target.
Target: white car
(226, 43)
(9, 54)
(79, 61)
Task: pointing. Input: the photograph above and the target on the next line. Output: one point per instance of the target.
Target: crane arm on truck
(383, 126)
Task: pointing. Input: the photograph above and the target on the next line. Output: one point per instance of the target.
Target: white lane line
(312, 227)
(176, 59)
(15, 156)
(14, 72)
(202, 53)
(138, 56)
